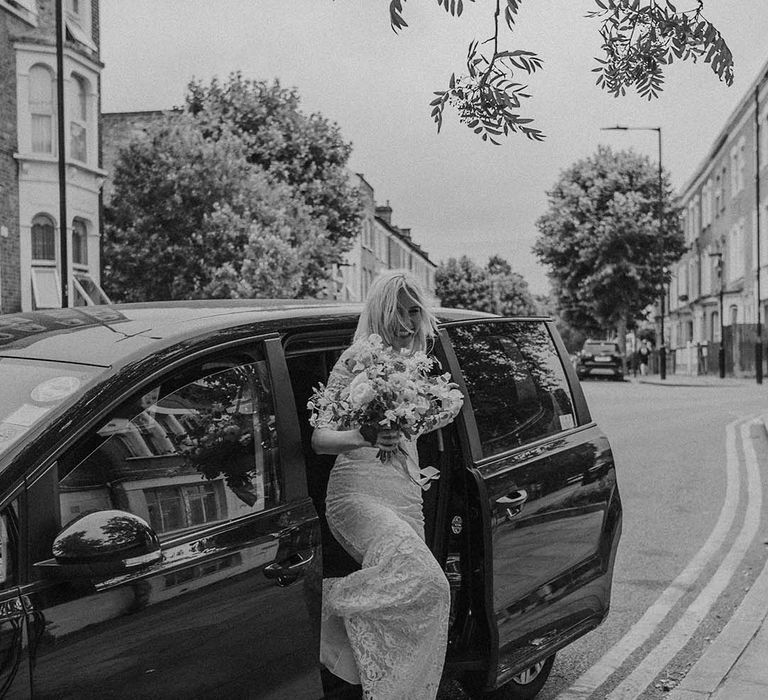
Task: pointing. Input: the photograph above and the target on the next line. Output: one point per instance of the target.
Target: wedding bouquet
(390, 390)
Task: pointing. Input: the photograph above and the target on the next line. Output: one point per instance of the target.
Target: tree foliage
(640, 38)
(303, 151)
(463, 284)
(600, 239)
(207, 205)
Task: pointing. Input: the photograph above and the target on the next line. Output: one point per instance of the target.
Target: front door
(546, 477)
(202, 457)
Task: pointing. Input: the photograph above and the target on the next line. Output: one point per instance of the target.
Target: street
(694, 535)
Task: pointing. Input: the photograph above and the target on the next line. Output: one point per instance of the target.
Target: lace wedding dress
(384, 626)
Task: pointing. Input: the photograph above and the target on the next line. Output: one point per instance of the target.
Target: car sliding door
(546, 483)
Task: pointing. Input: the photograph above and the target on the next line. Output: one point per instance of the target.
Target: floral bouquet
(390, 390)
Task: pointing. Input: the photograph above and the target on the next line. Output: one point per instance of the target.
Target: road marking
(692, 617)
(642, 630)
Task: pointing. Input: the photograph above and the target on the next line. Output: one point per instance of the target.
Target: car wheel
(526, 684)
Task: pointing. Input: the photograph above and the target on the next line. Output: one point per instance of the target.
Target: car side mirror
(102, 544)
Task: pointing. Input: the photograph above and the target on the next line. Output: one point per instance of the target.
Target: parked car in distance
(600, 358)
(162, 529)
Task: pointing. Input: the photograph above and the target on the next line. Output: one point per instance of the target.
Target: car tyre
(525, 685)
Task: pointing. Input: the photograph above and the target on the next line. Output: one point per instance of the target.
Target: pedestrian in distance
(644, 354)
(384, 626)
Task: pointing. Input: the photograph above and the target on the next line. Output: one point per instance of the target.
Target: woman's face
(408, 322)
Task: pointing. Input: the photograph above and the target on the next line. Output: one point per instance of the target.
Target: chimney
(385, 212)
(405, 233)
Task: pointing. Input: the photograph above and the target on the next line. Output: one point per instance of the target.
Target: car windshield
(31, 389)
(597, 348)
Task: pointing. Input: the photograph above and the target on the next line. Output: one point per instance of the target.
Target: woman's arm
(327, 441)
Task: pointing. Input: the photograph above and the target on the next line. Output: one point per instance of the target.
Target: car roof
(106, 335)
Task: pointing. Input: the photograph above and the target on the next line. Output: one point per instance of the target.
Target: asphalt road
(693, 539)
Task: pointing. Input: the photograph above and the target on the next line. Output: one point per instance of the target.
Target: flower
(390, 389)
(361, 391)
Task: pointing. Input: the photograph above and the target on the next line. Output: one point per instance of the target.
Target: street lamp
(660, 218)
(721, 349)
(759, 340)
(62, 158)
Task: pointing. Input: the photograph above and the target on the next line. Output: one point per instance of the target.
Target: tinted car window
(597, 348)
(515, 382)
(205, 452)
(31, 389)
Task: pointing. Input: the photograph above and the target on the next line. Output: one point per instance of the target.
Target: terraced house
(715, 295)
(30, 210)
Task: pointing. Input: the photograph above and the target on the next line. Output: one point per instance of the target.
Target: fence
(702, 358)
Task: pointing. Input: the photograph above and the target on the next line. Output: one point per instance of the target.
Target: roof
(106, 335)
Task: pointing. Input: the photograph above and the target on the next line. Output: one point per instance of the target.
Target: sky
(458, 195)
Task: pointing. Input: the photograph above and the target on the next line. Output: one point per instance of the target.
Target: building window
(46, 288)
(738, 163)
(718, 195)
(706, 204)
(86, 291)
(78, 118)
(41, 108)
(736, 252)
(43, 239)
(178, 507)
(722, 188)
(79, 242)
(78, 22)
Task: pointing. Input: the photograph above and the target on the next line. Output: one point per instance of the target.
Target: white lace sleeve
(341, 376)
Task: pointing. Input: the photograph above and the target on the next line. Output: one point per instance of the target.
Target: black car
(161, 511)
(600, 358)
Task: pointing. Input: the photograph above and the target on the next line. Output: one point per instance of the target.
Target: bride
(385, 626)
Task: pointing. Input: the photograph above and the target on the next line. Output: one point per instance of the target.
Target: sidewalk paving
(704, 380)
(735, 665)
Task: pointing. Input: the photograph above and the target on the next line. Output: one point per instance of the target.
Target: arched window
(78, 123)
(41, 108)
(43, 238)
(79, 242)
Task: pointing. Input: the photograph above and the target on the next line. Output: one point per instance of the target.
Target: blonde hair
(380, 314)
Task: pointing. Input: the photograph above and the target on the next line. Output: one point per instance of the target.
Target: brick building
(713, 295)
(29, 180)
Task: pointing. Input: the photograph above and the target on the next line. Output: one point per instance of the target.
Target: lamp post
(62, 158)
(660, 219)
(721, 349)
(759, 340)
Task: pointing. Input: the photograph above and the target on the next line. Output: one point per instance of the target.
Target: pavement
(735, 665)
(706, 380)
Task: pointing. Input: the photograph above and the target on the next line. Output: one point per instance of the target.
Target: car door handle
(513, 503)
(285, 573)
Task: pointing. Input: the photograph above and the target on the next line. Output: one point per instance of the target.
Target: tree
(306, 152)
(573, 338)
(195, 213)
(600, 239)
(639, 39)
(463, 284)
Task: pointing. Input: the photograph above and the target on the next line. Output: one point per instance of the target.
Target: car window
(184, 454)
(596, 348)
(31, 389)
(515, 382)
